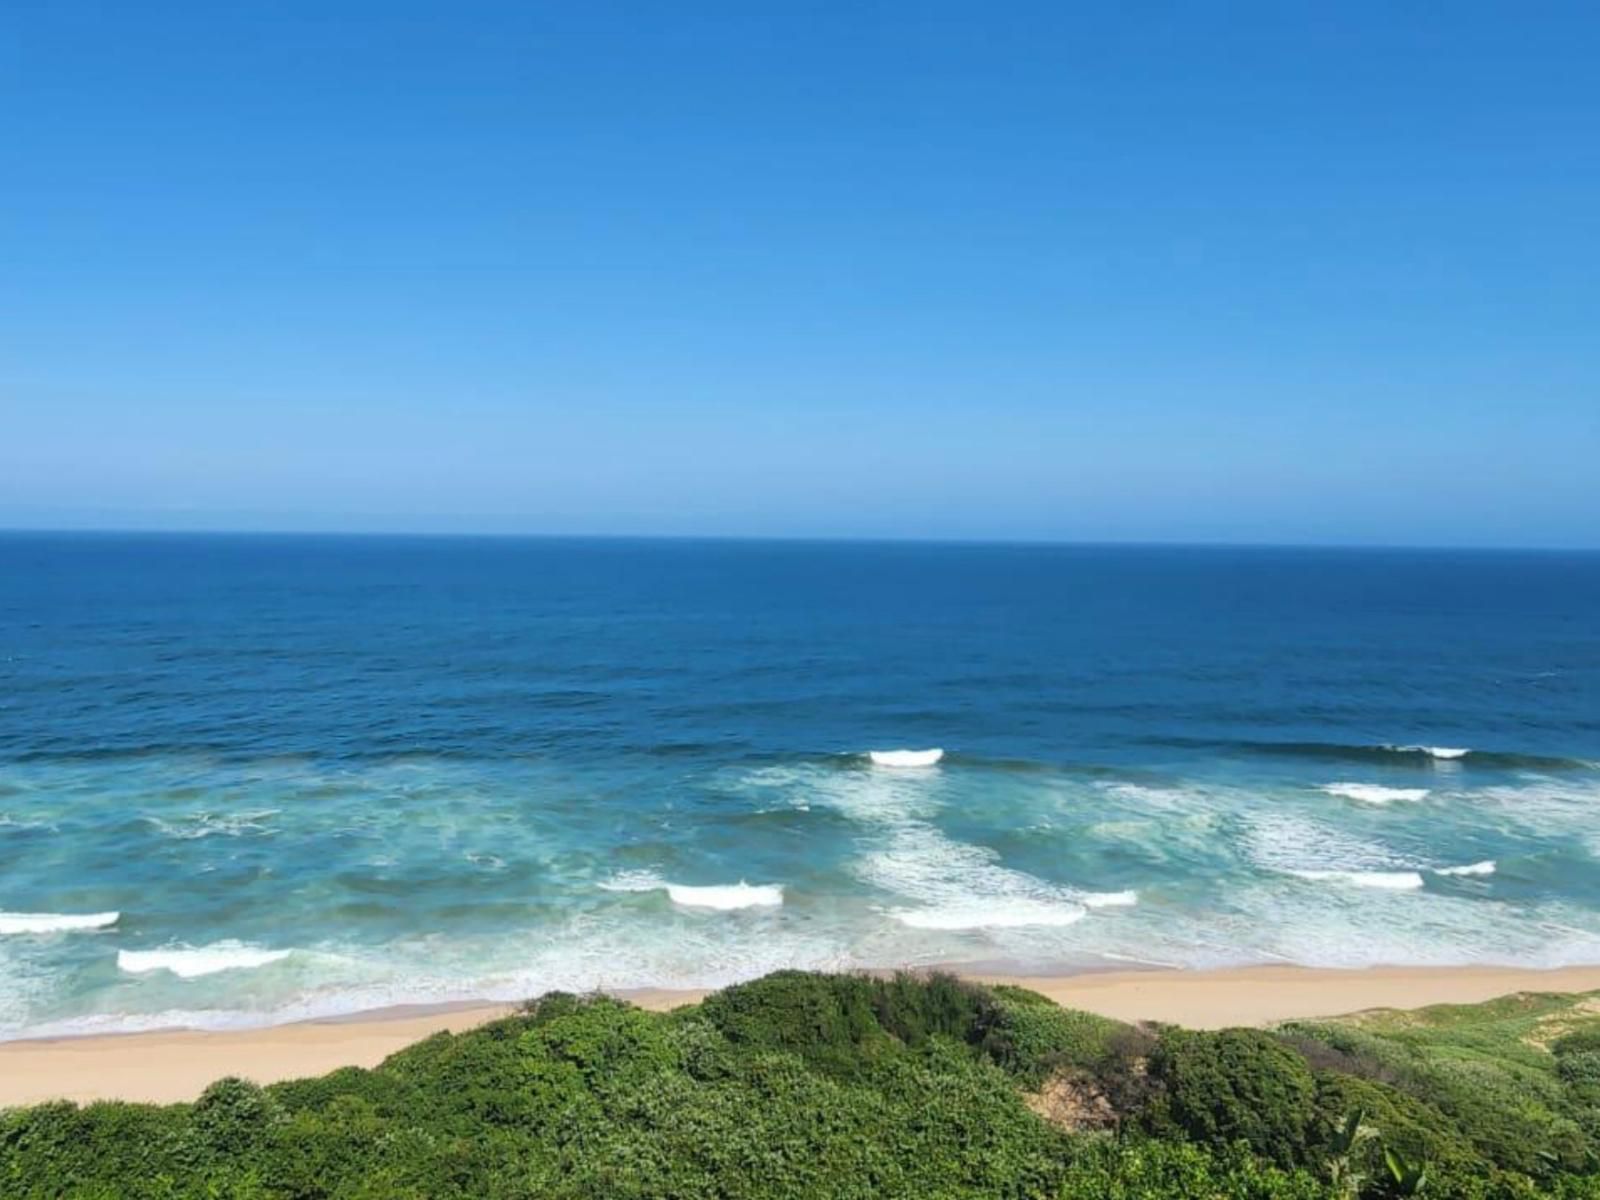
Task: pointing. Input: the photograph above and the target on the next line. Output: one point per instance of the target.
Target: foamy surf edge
(722, 897)
(1372, 793)
(1012, 913)
(1486, 867)
(905, 758)
(190, 962)
(1389, 881)
(11, 922)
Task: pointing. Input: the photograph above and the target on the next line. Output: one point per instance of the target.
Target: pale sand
(177, 1065)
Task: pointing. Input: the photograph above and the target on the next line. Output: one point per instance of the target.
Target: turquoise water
(315, 775)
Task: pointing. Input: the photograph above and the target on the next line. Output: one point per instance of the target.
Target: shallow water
(314, 775)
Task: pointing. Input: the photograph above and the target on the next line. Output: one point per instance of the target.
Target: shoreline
(162, 1066)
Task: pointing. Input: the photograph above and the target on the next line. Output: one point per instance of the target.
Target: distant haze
(1269, 274)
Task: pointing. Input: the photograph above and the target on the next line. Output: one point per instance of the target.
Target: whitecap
(188, 962)
(1486, 867)
(1123, 899)
(54, 922)
(722, 897)
(1011, 912)
(905, 758)
(726, 896)
(1389, 881)
(1444, 752)
(633, 881)
(1371, 793)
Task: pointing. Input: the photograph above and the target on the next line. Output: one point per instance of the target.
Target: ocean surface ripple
(247, 779)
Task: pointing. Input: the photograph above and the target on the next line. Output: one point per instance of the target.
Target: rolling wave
(1391, 881)
(1372, 793)
(190, 962)
(724, 897)
(1486, 867)
(54, 922)
(905, 758)
(1393, 754)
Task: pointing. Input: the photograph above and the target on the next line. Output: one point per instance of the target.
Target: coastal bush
(1237, 1085)
(1033, 1037)
(1145, 1168)
(1486, 1072)
(859, 1087)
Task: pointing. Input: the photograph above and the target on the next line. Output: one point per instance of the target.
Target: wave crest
(1372, 793)
(1486, 867)
(188, 962)
(1011, 912)
(54, 922)
(905, 758)
(721, 897)
(1389, 881)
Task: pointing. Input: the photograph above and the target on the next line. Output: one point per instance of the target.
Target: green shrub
(1034, 1037)
(849, 1087)
(1235, 1085)
(1145, 1168)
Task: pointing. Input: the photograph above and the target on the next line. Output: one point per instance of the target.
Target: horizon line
(798, 539)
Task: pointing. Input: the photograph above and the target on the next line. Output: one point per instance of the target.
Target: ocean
(255, 778)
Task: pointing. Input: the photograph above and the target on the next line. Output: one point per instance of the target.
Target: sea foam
(726, 896)
(1444, 752)
(1389, 881)
(54, 922)
(722, 897)
(905, 758)
(1371, 793)
(1486, 867)
(1009, 912)
(188, 962)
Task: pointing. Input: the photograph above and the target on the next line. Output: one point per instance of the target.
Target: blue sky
(1303, 273)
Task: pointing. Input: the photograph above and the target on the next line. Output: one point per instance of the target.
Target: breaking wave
(54, 922)
(721, 897)
(1372, 793)
(189, 962)
(1486, 867)
(905, 758)
(1389, 881)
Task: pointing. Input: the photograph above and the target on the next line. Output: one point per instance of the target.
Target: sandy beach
(178, 1064)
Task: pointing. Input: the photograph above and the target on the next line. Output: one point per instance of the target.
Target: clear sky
(1276, 272)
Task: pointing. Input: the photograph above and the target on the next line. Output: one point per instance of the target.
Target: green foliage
(1034, 1037)
(1482, 1076)
(852, 1086)
(1145, 1169)
(1236, 1085)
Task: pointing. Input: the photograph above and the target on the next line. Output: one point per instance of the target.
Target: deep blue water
(312, 774)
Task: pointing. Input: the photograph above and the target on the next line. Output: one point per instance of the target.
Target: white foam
(722, 897)
(190, 826)
(904, 758)
(188, 962)
(1389, 881)
(1445, 752)
(1011, 912)
(1486, 867)
(633, 881)
(54, 922)
(1371, 793)
(726, 896)
(1109, 899)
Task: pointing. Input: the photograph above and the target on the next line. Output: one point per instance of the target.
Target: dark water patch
(1420, 757)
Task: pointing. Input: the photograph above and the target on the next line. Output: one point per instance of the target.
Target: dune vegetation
(803, 1085)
